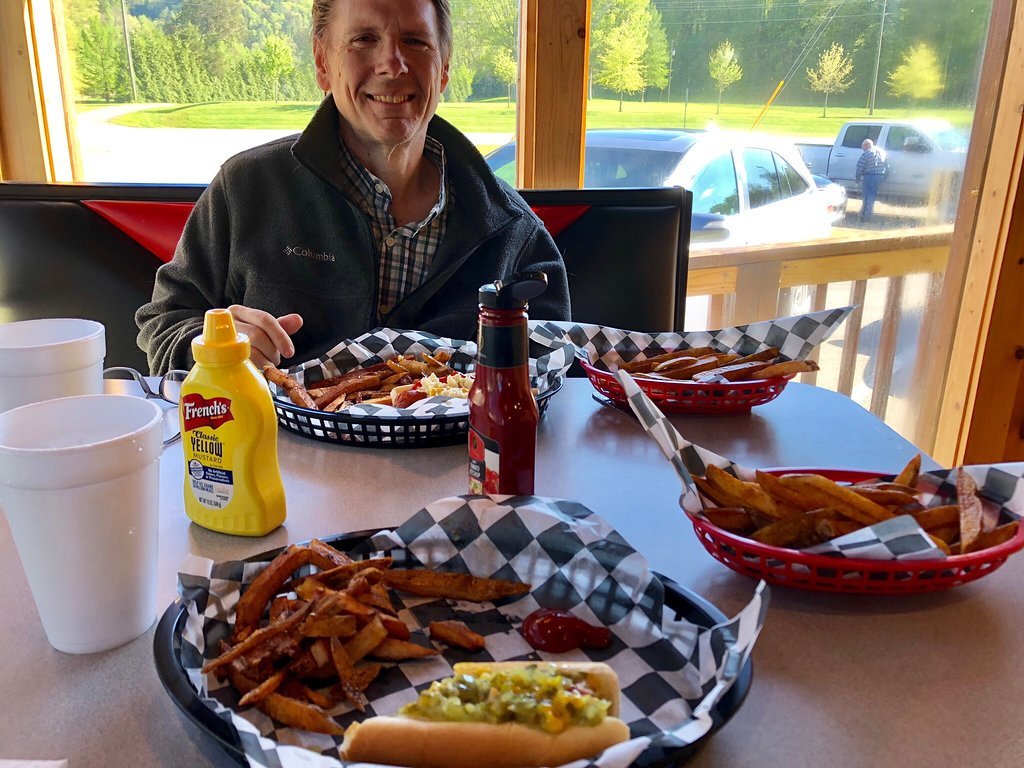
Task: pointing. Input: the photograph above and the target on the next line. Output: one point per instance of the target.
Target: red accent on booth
(557, 217)
(155, 226)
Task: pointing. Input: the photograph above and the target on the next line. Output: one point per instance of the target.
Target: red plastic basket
(790, 568)
(691, 396)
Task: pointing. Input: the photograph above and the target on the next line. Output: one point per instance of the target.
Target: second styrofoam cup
(79, 483)
(49, 358)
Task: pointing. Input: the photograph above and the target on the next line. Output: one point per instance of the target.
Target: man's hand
(269, 336)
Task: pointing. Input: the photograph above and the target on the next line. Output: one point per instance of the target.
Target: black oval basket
(376, 432)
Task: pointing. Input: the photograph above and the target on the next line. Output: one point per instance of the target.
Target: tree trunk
(509, 104)
(719, 107)
(621, 93)
(824, 109)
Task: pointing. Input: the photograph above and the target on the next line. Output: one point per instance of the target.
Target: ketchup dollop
(557, 631)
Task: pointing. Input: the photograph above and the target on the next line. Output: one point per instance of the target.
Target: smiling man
(379, 214)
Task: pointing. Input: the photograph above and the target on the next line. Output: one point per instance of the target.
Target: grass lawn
(496, 116)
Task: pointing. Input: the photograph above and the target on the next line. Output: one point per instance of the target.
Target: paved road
(118, 153)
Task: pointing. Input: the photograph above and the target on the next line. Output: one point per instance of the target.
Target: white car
(748, 189)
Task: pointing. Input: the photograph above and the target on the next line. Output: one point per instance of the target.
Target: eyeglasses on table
(167, 390)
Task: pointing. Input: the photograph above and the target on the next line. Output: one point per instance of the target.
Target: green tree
(101, 61)
(918, 76)
(620, 42)
(656, 56)
(506, 70)
(275, 58)
(724, 69)
(832, 75)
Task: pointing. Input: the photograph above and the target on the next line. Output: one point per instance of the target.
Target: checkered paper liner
(382, 344)
(672, 673)
(1000, 486)
(607, 348)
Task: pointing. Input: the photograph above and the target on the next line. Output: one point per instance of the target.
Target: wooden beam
(553, 63)
(705, 282)
(22, 133)
(977, 266)
(863, 266)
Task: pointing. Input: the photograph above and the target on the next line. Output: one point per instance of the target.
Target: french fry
(787, 368)
(938, 517)
(255, 598)
(994, 538)
(456, 633)
(790, 498)
(366, 639)
(941, 544)
(909, 474)
(748, 495)
(732, 372)
(840, 498)
(295, 391)
(458, 586)
(787, 533)
(885, 498)
(346, 672)
(392, 649)
(732, 519)
(264, 689)
(299, 714)
(971, 511)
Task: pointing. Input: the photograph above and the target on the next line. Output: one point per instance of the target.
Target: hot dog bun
(426, 744)
(422, 743)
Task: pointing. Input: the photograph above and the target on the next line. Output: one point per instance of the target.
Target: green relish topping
(536, 696)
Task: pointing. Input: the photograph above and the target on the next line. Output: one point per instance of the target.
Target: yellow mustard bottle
(229, 433)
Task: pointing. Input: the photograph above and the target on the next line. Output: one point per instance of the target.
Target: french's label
(197, 411)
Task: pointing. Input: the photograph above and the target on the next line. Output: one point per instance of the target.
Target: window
(855, 135)
(905, 139)
(715, 189)
(792, 182)
(762, 179)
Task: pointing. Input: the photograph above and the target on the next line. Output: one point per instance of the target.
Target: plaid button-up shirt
(404, 253)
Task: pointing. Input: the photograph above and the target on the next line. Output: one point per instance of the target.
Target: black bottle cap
(513, 293)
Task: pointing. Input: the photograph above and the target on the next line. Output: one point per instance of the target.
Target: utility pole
(878, 56)
(128, 48)
(671, 58)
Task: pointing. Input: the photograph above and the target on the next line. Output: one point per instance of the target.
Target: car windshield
(618, 167)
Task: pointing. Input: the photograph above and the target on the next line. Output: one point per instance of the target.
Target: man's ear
(323, 79)
(444, 74)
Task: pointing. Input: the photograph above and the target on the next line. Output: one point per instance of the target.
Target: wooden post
(555, 49)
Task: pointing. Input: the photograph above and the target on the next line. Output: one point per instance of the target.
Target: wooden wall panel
(553, 64)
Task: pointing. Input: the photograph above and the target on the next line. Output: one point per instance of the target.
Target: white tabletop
(838, 680)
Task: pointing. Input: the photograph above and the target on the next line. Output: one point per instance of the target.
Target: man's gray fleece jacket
(274, 231)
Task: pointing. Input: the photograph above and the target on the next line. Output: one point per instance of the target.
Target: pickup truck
(922, 154)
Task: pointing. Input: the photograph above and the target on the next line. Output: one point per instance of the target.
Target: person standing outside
(379, 214)
(871, 170)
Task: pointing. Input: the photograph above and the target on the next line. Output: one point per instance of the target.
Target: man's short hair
(322, 14)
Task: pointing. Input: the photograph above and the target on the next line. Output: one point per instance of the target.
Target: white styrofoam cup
(50, 358)
(80, 485)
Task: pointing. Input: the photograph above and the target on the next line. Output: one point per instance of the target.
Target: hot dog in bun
(501, 715)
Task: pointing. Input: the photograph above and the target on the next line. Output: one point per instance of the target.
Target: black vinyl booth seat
(92, 250)
(626, 252)
(59, 258)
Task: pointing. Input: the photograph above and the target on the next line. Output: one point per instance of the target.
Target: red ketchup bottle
(502, 409)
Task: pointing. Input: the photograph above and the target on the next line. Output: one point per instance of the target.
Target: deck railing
(893, 278)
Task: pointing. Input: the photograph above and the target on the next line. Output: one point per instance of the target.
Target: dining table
(838, 680)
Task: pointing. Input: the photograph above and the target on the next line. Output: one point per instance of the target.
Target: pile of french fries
(802, 510)
(705, 365)
(302, 646)
(372, 384)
